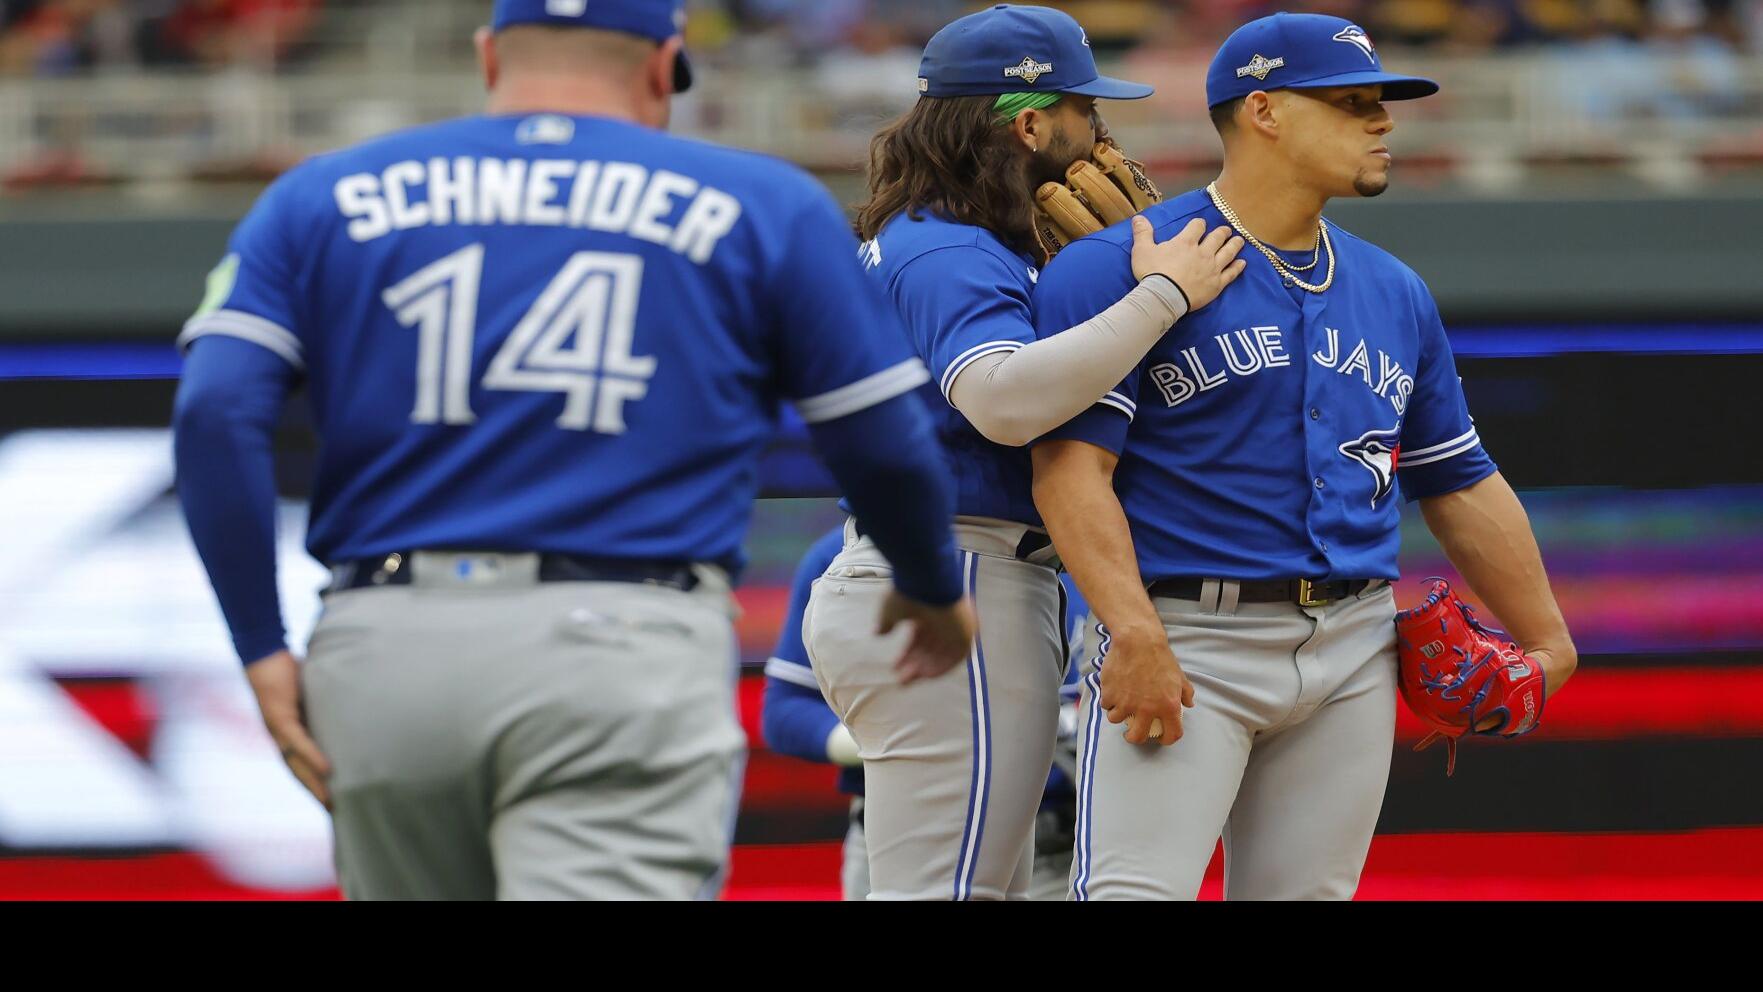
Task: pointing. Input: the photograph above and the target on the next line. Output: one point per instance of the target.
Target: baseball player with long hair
(954, 768)
(796, 720)
(543, 348)
(1234, 526)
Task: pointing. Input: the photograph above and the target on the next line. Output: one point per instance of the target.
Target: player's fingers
(1116, 714)
(295, 742)
(1169, 731)
(1187, 695)
(309, 777)
(1234, 269)
(1229, 250)
(1138, 730)
(1107, 697)
(1141, 232)
(1191, 232)
(1215, 240)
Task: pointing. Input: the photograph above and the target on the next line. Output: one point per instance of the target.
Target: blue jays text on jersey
(963, 295)
(1265, 434)
(552, 333)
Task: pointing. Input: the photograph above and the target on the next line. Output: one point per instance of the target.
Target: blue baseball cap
(1011, 48)
(657, 20)
(1303, 51)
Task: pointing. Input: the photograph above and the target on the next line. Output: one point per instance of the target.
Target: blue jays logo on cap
(657, 20)
(1353, 34)
(1010, 48)
(1303, 51)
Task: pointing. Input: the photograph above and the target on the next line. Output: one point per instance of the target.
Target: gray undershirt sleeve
(1014, 397)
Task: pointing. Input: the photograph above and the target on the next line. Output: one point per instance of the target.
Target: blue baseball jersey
(552, 333)
(962, 295)
(1265, 436)
(795, 719)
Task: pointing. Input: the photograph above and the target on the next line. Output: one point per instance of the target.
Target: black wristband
(1184, 293)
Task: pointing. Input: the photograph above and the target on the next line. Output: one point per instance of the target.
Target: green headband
(1011, 104)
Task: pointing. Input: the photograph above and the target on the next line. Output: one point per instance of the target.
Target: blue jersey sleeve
(840, 348)
(1440, 451)
(961, 303)
(223, 425)
(794, 718)
(1087, 277)
(254, 293)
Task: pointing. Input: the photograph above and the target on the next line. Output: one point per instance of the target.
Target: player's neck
(1278, 212)
(570, 95)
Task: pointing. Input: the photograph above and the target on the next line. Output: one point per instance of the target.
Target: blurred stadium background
(1585, 198)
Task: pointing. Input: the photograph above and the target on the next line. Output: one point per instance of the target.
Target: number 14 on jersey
(576, 339)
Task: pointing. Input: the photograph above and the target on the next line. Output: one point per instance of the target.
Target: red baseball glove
(1455, 673)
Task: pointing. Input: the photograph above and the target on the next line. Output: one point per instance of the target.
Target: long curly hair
(949, 156)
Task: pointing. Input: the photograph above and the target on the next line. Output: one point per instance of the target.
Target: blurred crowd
(63, 37)
(813, 28)
(60, 37)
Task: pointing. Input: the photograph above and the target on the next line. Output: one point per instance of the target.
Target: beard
(1050, 163)
(1368, 184)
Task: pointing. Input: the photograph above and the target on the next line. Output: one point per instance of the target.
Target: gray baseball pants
(1285, 754)
(953, 767)
(496, 738)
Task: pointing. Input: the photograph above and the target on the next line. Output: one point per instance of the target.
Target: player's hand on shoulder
(941, 635)
(275, 680)
(1201, 264)
(1144, 687)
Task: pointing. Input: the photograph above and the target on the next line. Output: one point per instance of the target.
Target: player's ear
(1260, 113)
(1033, 128)
(658, 71)
(485, 43)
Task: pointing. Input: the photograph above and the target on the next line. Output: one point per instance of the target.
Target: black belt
(1303, 592)
(395, 570)
(1033, 541)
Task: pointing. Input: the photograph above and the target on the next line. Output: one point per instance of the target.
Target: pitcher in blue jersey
(1234, 524)
(954, 769)
(543, 349)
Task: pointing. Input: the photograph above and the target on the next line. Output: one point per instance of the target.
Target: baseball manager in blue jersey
(1234, 526)
(955, 768)
(543, 348)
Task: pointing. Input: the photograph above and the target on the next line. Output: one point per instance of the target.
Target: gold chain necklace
(1280, 265)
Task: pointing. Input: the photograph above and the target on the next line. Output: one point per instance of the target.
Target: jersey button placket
(1312, 307)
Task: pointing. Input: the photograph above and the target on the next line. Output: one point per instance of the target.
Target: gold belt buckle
(1306, 594)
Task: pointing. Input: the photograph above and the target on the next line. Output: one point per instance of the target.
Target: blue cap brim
(1394, 87)
(1109, 88)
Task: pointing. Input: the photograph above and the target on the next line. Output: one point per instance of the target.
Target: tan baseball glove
(1105, 189)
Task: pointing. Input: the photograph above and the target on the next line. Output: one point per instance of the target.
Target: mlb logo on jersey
(545, 129)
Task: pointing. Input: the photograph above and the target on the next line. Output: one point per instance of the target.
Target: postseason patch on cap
(1260, 66)
(1028, 70)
